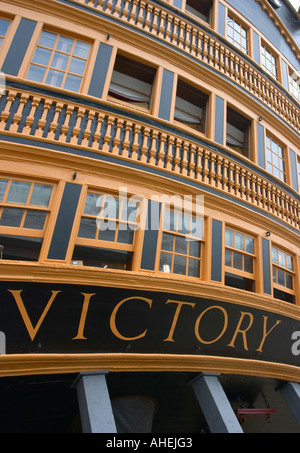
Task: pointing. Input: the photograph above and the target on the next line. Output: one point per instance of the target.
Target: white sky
(295, 3)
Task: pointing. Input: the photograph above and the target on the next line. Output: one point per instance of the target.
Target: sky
(295, 3)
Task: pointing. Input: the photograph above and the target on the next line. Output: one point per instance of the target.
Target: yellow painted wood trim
(38, 364)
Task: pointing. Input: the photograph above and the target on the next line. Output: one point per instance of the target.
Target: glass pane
(181, 245)
(184, 224)
(111, 208)
(167, 242)
(35, 220)
(3, 26)
(55, 78)
(40, 195)
(18, 192)
(249, 245)
(165, 264)
(237, 261)
(281, 256)
(11, 217)
(36, 74)
(93, 204)
(229, 238)
(195, 248)
(87, 228)
(65, 44)
(289, 263)
(170, 220)
(280, 275)
(274, 256)
(129, 211)
(125, 236)
(289, 281)
(82, 49)
(179, 265)
(42, 56)
(3, 186)
(239, 241)
(107, 231)
(228, 256)
(73, 83)
(248, 264)
(77, 66)
(60, 61)
(274, 275)
(47, 39)
(194, 268)
(197, 228)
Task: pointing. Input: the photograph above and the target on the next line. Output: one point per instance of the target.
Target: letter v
(32, 330)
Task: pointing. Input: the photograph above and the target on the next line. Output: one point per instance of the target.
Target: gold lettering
(85, 307)
(265, 333)
(243, 332)
(199, 320)
(113, 326)
(175, 319)
(32, 330)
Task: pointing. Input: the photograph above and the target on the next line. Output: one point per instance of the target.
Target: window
(201, 9)
(191, 106)
(132, 82)
(107, 232)
(237, 34)
(269, 62)
(275, 159)
(182, 244)
(294, 85)
(283, 275)
(4, 24)
(238, 132)
(59, 61)
(24, 209)
(239, 260)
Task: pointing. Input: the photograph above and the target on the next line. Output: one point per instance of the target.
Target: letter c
(112, 322)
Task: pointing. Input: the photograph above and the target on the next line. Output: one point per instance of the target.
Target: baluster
(43, 120)
(53, 126)
(194, 41)
(18, 115)
(188, 38)
(162, 24)
(117, 139)
(211, 43)
(212, 172)
(117, 8)
(65, 127)
(154, 25)
(205, 48)
(248, 187)
(199, 151)
(169, 156)
(153, 149)
(30, 118)
(133, 12)
(11, 95)
(263, 194)
(168, 27)
(140, 17)
(107, 136)
(161, 152)
(144, 148)
(109, 6)
(242, 183)
(97, 133)
(192, 164)
(225, 175)
(76, 130)
(184, 161)
(206, 156)
(200, 45)
(217, 53)
(178, 143)
(125, 11)
(174, 37)
(181, 35)
(230, 177)
(126, 141)
(218, 176)
(87, 131)
(135, 145)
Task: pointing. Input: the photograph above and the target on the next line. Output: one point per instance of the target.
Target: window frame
(294, 85)
(270, 136)
(246, 149)
(285, 270)
(267, 48)
(188, 9)
(252, 276)
(10, 21)
(173, 253)
(241, 25)
(59, 34)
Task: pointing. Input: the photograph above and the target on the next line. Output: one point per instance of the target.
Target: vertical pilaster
(291, 394)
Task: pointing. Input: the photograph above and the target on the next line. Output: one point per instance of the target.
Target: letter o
(199, 320)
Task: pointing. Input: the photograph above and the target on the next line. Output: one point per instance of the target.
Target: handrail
(49, 119)
(189, 38)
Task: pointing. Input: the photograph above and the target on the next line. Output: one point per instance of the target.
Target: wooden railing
(53, 120)
(190, 38)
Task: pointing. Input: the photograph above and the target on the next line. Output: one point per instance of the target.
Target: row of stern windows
(61, 61)
(107, 233)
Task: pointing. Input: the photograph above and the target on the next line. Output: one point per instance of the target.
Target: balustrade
(50, 119)
(201, 45)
